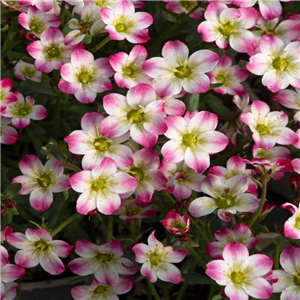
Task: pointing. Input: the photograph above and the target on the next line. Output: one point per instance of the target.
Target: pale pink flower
(241, 233)
(291, 226)
(50, 52)
(124, 23)
(184, 7)
(105, 261)
(158, 260)
(145, 169)
(5, 93)
(9, 291)
(9, 135)
(138, 112)
(128, 67)
(241, 274)
(177, 70)
(101, 187)
(99, 290)
(41, 181)
(279, 64)
(268, 127)
(85, 77)
(192, 140)
(175, 223)
(37, 21)
(23, 110)
(296, 164)
(15, 5)
(24, 71)
(229, 26)
(182, 180)
(289, 278)
(230, 76)
(37, 247)
(226, 197)
(94, 146)
(42, 5)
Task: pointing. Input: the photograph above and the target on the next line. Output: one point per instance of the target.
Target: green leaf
(67, 128)
(193, 103)
(169, 16)
(260, 228)
(215, 85)
(216, 105)
(242, 64)
(12, 190)
(197, 278)
(278, 239)
(296, 242)
(56, 152)
(37, 87)
(269, 249)
(218, 297)
(36, 129)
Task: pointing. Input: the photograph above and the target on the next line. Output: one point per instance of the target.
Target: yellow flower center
(131, 211)
(279, 64)
(189, 140)
(53, 52)
(98, 184)
(44, 181)
(187, 4)
(36, 26)
(20, 110)
(226, 29)
(136, 116)
(137, 173)
(85, 75)
(155, 257)
(28, 72)
(237, 277)
(263, 129)
(183, 71)
(41, 245)
(104, 257)
(102, 144)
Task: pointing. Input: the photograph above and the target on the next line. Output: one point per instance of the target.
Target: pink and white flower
(229, 26)
(227, 197)
(184, 7)
(15, 5)
(99, 290)
(24, 71)
(291, 100)
(230, 76)
(42, 5)
(85, 77)
(41, 181)
(291, 226)
(268, 127)
(279, 64)
(94, 146)
(37, 21)
(5, 93)
(9, 135)
(158, 260)
(241, 233)
(145, 169)
(175, 223)
(192, 140)
(105, 261)
(124, 23)
(128, 67)
(50, 52)
(37, 247)
(101, 187)
(241, 274)
(138, 112)
(9, 291)
(177, 70)
(182, 180)
(23, 110)
(289, 278)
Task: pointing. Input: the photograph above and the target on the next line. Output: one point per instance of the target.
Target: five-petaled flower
(175, 223)
(292, 225)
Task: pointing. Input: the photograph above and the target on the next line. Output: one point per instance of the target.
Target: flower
(128, 67)
(175, 223)
(241, 233)
(193, 139)
(105, 261)
(42, 5)
(241, 274)
(157, 260)
(289, 278)
(229, 25)
(85, 77)
(123, 23)
(6, 95)
(94, 146)
(23, 110)
(268, 127)
(184, 7)
(41, 181)
(99, 290)
(37, 247)
(24, 71)
(292, 225)
(225, 197)
(101, 187)
(9, 291)
(279, 64)
(9, 135)
(176, 70)
(138, 112)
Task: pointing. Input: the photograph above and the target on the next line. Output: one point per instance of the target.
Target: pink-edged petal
(20, 122)
(108, 202)
(168, 272)
(235, 292)
(121, 154)
(176, 125)
(287, 137)
(123, 183)
(260, 108)
(81, 57)
(198, 83)
(144, 20)
(68, 87)
(203, 121)
(51, 264)
(77, 142)
(175, 52)
(271, 45)
(81, 266)
(11, 272)
(101, 85)
(67, 72)
(107, 275)
(174, 256)
(141, 94)
(249, 17)
(202, 206)
(138, 36)
(124, 286)
(118, 60)
(271, 10)
(289, 260)
(143, 137)
(52, 35)
(196, 159)
(37, 234)
(80, 292)
(35, 49)
(243, 42)
(149, 272)
(27, 184)
(291, 293)
(156, 67)
(107, 167)
(62, 249)
(9, 135)
(263, 264)
(143, 192)
(85, 96)
(217, 271)
(43, 65)
(172, 152)
(31, 165)
(26, 258)
(214, 250)
(115, 104)
(181, 191)
(138, 54)
(140, 251)
(85, 203)
(85, 248)
(235, 253)
(41, 199)
(111, 127)
(213, 10)
(90, 122)
(258, 288)
(17, 240)
(80, 181)
(199, 64)
(38, 112)
(209, 31)
(124, 8)
(103, 67)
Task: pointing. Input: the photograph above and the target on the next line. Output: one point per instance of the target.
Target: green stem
(153, 290)
(262, 202)
(109, 228)
(169, 196)
(276, 256)
(196, 255)
(64, 224)
(62, 13)
(100, 45)
(56, 119)
(132, 230)
(212, 291)
(72, 167)
(205, 237)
